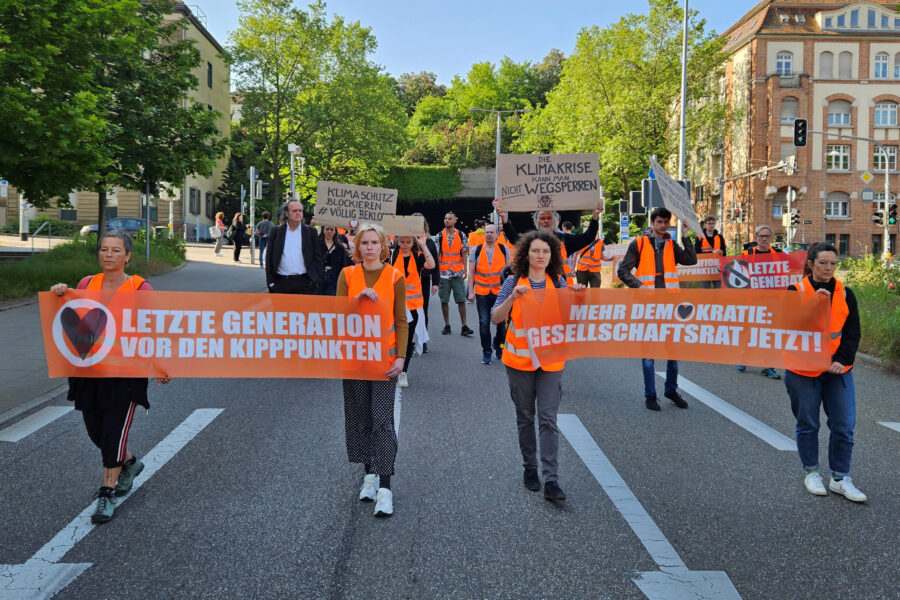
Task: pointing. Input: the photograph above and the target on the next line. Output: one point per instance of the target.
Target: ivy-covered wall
(423, 182)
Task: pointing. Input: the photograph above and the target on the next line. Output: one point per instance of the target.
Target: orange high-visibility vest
(487, 275)
(132, 284)
(839, 313)
(567, 267)
(450, 255)
(590, 261)
(476, 238)
(414, 297)
(704, 243)
(384, 288)
(501, 239)
(771, 250)
(516, 353)
(646, 269)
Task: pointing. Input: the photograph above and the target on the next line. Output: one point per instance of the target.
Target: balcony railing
(789, 81)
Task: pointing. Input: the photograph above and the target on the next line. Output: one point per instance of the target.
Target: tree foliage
(413, 87)
(420, 182)
(619, 95)
(309, 81)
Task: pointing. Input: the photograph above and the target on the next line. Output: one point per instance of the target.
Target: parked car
(126, 224)
(797, 247)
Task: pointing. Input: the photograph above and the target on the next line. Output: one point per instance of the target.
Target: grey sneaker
(129, 471)
(106, 504)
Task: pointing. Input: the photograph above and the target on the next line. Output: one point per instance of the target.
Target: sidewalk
(23, 367)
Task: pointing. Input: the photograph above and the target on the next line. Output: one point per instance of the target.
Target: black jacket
(572, 241)
(313, 257)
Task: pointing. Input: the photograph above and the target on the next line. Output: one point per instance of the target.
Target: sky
(447, 37)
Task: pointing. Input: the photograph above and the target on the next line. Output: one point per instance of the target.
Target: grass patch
(877, 290)
(68, 263)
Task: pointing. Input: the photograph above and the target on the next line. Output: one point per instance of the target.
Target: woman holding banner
(832, 388)
(411, 264)
(369, 405)
(534, 386)
(107, 403)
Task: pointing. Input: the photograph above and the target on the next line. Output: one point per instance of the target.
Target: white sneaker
(384, 503)
(369, 487)
(218, 254)
(814, 485)
(845, 488)
(402, 381)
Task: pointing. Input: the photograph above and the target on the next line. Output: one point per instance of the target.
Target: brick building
(836, 64)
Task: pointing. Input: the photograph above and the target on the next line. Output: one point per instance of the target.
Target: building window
(897, 66)
(209, 205)
(826, 65)
(194, 201)
(897, 23)
(845, 65)
(829, 238)
(154, 209)
(840, 21)
(112, 203)
(70, 213)
(871, 20)
(885, 114)
(881, 65)
(885, 22)
(209, 74)
(828, 22)
(789, 110)
(878, 158)
(837, 158)
(838, 113)
(783, 62)
(787, 149)
(877, 240)
(854, 18)
(779, 204)
(879, 200)
(837, 205)
(844, 244)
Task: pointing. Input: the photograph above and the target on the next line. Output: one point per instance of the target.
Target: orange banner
(186, 334)
(764, 327)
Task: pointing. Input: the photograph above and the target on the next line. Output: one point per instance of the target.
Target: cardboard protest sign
(188, 334)
(675, 197)
(762, 271)
(531, 182)
(403, 225)
(348, 205)
(765, 328)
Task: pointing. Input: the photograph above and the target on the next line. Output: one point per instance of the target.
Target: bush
(69, 263)
(57, 227)
(876, 287)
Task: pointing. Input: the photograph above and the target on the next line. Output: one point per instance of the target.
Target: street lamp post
(499, 114)
(683, 122)
(294, 149)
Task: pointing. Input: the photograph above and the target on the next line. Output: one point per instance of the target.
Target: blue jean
(650, 377)
(263, 242)
(485, 304)
(837, 395)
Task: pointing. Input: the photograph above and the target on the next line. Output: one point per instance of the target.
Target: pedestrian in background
(431, 278)
(263, 229)
(654, 257)
(369, 405)
(763, 245)
(238, 235)
(831, 388)
(107, 404)
(336, 258)
(710, 243)
(453, 251)
(411, 257)
(535, 387)
(486, 264)
(220, 225)
(294, 264)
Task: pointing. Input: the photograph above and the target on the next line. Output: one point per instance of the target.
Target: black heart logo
(685, 310)
(84, 331)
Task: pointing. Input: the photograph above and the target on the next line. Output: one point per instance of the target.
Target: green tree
(619, 95)
(413, 87)
(309, 81)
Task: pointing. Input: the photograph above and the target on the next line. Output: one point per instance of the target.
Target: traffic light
(892, 214)
(738, 214)
(878, 217)
(799, 132)
(795, 217)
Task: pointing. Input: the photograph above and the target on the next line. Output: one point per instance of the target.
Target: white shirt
(292, 257)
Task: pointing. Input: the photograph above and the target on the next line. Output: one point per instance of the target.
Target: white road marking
(890, 425)
(29, 404)
(776, 439)
(673, 581)
(42, 576)
(32, 423)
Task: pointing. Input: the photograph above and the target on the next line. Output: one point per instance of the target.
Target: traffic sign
(867, 177)
(867, 195)
(4, 188)
(807, 222)
(624, 224)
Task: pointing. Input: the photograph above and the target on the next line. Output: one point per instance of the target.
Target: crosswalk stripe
(32, 423)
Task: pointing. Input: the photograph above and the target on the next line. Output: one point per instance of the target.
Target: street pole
(824, 189)
(790, 227)
(683, 127)
(23, 217)
(885, 249)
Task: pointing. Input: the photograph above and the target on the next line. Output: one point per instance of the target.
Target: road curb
(874, 361)
(55, 394)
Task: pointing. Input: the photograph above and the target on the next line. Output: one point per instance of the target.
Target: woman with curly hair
(534, 385)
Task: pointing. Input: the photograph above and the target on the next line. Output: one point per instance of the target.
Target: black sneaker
(553, 492)
(465, 330)
(445, 330)
(425, 348)
(676, 399)
(498, 352)
(531, 481)
(652, 403)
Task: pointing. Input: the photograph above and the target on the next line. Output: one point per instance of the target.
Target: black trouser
(293, 284)
(108, 429)
(412, 334)
(426, 294)
(587, 278)
(238, 242)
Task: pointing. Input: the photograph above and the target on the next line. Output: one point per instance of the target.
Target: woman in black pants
(430, 277)
(238, 235)
(336, 258)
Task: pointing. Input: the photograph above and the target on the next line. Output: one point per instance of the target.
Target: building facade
(192, 206)
(836, 64)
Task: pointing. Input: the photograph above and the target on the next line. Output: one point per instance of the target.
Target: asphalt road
(262, 502)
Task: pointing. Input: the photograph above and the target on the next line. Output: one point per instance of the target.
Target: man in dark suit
(295, 262)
